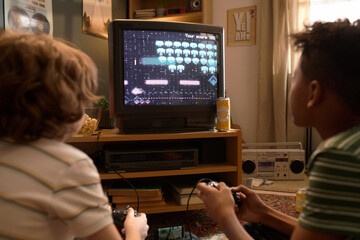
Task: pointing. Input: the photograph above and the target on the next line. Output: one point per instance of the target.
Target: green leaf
(104, 103)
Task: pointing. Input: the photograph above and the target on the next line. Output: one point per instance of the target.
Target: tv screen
(165, 76)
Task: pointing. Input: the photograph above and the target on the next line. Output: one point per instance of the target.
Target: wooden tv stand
(229, 170)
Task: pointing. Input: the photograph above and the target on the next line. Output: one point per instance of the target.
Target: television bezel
(116, 87)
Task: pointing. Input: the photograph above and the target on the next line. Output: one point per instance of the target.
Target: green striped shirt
(333, 196)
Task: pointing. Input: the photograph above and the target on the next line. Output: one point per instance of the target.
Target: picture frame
(28, 16)
(96, 16)
(241, 26)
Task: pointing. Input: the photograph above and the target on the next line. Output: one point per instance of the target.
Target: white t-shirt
(49, 190)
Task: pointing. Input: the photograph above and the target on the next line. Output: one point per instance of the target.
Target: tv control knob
(248, 166)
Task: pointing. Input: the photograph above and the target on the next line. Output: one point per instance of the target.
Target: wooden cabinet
(229, 170)
(202, 16)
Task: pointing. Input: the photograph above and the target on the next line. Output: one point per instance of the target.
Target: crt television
(165, 76)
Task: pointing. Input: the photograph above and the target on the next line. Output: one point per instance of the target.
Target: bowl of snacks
(91, 118)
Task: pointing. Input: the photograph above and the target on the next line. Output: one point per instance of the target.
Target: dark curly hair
(44, 86)
(331, 55)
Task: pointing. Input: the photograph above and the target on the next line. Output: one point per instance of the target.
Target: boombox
(273, 163)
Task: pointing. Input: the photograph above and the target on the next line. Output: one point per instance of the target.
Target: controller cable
(97, 139)
(99, 154)
(188, 201)
(137, 195)
(117, 172)
(187, 208)
(132, 186)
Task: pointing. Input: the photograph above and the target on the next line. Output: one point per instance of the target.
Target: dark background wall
(67, 25)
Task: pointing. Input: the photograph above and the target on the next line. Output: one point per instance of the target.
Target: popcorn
(89, 125)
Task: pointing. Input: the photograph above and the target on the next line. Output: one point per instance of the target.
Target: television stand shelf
(228, 170)
(170, 206)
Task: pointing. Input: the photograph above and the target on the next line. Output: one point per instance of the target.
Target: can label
(223, 114)
(300, 199)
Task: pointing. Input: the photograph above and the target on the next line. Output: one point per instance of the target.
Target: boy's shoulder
(342, 146)
(348, 141)
(60, 150)
(47, 161)
(41, 149)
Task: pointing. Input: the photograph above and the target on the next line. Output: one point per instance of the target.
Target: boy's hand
(218, 201)
(135, 227)
(252, 208)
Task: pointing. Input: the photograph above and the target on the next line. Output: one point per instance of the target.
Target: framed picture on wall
(241, 26)
(96, 17)
(28, 16)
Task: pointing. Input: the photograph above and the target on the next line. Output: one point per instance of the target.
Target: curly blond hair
(44, 86)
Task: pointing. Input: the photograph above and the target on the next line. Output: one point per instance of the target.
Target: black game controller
(119, 216)
(236, 195)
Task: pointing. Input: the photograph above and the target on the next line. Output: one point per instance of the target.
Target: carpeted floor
(204, 227)
(284, 186)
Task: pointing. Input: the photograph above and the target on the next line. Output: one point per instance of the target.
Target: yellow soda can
(223, 114)
(300, 199)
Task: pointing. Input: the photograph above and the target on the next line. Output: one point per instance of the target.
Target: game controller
(119, 216)
(236, 195)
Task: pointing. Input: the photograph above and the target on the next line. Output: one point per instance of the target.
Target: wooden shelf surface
(196, 17)
(200, 169)
(113, 135)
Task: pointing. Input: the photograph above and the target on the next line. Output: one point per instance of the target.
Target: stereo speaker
(195, 5)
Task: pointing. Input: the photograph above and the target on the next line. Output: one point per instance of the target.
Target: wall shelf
(203, 16)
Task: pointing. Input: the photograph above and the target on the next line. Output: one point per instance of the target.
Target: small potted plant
(106, 121)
